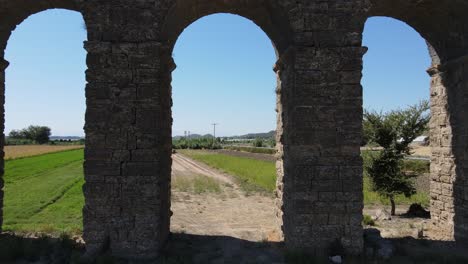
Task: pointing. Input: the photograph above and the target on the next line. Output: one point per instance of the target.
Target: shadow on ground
(42, 249)
(188, 249)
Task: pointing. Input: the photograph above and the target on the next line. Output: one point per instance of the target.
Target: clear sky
(224, 73)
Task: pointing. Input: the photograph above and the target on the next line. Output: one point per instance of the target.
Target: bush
(252, 149)
(417, 166)
(367, 220)
(258, 143)
(196, 143)
(17, 142)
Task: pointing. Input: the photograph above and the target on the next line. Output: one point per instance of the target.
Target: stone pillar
(128, 146)
(321, 117)
(449, 145)
(3, 66)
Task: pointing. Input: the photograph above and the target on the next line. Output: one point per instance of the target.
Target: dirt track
(230, 213)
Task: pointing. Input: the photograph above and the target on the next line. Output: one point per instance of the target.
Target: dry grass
(423, 151)
(14, 152)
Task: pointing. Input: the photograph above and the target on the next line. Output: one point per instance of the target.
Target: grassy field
(253, 175)
(15, 152)
(43, 193)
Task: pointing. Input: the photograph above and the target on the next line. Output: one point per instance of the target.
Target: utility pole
(214, 132)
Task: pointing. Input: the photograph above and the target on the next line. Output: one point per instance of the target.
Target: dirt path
(229, 213)
(183, 166)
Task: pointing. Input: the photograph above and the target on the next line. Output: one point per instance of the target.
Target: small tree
(258, 143)
(40, 134)
(394, 132)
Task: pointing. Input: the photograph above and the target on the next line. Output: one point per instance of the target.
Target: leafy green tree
(394, 132)
(38, 134)
(16, 134)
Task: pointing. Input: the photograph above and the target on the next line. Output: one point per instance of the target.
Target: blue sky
(224, 73)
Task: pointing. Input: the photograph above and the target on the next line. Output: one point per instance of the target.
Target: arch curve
(446, 37)
(264, 14)
(13, 13)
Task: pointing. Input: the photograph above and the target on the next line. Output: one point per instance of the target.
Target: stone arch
(448, 49)
(12, 14)
(265, 14)
(269, 17)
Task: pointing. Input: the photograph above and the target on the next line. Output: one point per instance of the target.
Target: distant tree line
(196, 143)
(31, 134)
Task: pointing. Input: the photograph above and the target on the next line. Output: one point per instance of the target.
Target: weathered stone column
(128, 161)
(3, 66)
(449, 145)
(128, 130)
(321, 112)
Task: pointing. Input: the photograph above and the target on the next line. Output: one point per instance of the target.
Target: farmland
(21, 151)
(44, 193)
(252, 174)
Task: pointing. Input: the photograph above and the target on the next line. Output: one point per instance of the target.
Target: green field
(253, 175)
(44, 193)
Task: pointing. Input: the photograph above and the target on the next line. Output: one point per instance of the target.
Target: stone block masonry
(319, 104)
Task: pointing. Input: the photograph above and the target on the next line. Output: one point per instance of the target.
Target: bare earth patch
(229, 212)
(421, 151)
(14, 152)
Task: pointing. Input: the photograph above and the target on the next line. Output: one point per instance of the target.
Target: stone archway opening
(431, 152)
(212, 54)
(44, 86)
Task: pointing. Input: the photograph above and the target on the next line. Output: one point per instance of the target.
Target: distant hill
(267, 135)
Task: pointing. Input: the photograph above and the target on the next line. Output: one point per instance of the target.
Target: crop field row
(15, 152)
(44, 193)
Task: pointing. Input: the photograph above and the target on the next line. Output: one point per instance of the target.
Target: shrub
(252, 149)
(258, 143)
(196, 143)
(367, 220)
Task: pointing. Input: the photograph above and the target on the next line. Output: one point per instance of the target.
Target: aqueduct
(319, 48)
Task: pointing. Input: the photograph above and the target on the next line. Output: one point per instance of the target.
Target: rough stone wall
(318, 43)
(449, 135)
(128, 131)
(321, 103)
